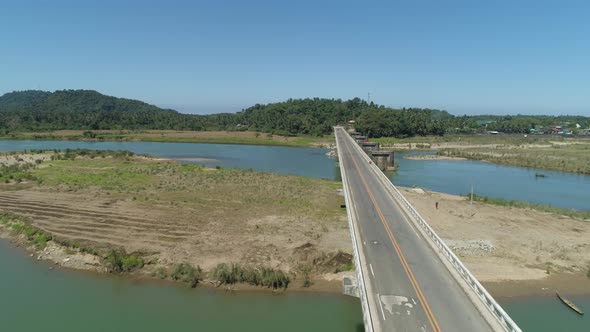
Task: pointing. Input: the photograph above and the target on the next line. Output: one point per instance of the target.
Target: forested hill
(82, 109)
(90, 110)
(318, 116)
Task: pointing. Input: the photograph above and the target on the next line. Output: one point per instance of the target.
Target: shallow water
(547, 313)
(34, 298)
(560, 189)
(285, 160)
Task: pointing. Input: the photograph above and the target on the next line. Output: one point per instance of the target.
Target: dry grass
(561, 157)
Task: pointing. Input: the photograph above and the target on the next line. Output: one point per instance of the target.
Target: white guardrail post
(505, 321)
(357, 260)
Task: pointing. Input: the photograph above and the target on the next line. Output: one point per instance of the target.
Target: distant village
(566, 129)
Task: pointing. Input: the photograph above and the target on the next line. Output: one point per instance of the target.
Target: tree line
(89, 110)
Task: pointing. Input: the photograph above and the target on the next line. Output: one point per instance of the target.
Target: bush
(306, 273)
(227, 274)
(187, 273)
(118, 261)
(41, 240)
(161, 273)
(230, 274)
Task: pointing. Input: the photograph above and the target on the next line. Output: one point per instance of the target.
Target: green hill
(90, 110)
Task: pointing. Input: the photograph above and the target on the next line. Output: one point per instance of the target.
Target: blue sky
(468, 57)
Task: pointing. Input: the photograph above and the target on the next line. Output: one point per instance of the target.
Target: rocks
(418, 190)
(471, 247)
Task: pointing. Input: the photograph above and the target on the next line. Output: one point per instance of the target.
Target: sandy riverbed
(432, 157)
(506, 244)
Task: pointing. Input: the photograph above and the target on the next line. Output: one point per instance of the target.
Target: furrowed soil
(170, 213)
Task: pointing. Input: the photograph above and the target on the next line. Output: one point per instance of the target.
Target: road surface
(408, 287)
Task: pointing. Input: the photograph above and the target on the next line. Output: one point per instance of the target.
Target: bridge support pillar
(350, 286)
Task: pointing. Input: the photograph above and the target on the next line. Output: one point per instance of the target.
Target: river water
(33, 297)
(560, 189)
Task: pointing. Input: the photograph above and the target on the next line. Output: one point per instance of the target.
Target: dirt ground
(502, 243)
(12, 159)
(173, 235)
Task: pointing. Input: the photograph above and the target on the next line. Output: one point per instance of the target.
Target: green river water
(35, 298)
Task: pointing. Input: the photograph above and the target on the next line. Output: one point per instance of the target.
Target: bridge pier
(350, 286)
(384, 160)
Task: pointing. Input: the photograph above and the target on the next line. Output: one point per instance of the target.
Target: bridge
(408, 279)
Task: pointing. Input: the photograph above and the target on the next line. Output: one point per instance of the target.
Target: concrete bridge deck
(404, 283)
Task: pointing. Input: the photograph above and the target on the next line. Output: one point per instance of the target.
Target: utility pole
(472, 194)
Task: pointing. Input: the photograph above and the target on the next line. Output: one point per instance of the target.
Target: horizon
(465, 58)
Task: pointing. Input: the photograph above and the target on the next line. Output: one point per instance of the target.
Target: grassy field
(570, 157)
(180, 184)
(217, 137)
(507, 140)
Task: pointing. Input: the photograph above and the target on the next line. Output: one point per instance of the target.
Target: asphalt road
(408, 287)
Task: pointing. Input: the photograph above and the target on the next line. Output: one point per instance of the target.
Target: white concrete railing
(494, 307)
(357, 260)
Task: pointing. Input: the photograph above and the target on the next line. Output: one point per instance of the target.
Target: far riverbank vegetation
(583, 215)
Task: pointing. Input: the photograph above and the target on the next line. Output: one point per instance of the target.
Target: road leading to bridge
(408, 288)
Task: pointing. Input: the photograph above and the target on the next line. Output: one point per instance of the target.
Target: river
(34, 298)
(559, 189)
(37, 298)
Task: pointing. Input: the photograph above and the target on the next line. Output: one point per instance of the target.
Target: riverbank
(569, 154)
(432, 157)
(173, 136)
(506, 244)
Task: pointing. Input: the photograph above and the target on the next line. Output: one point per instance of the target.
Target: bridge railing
(494, 307)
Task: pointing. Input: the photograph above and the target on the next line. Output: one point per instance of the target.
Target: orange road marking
(429, 314)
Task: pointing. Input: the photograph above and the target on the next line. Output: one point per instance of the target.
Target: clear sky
(468, 57)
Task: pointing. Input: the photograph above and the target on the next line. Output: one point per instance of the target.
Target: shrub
(41, 239)
(306, 274)
(260, 276)
(187, 273)
(274, 278)
(118, 261)
(161, 273)
(227, 274)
